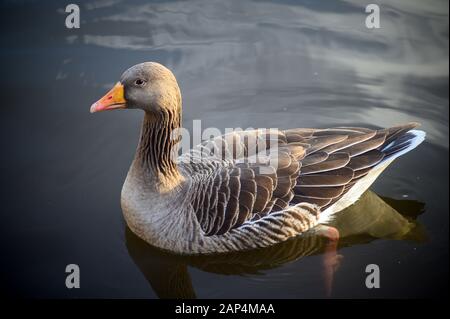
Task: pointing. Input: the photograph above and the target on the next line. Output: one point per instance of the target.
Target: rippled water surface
(241, 64)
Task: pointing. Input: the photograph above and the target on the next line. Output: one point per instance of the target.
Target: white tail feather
(362, 185)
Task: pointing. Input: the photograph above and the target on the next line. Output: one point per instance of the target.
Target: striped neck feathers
(158, 149)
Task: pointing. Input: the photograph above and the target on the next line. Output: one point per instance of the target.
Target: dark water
(239, 64)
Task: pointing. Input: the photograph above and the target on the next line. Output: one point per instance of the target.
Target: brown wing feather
(324, 179)
(316, 166)
(248, 188)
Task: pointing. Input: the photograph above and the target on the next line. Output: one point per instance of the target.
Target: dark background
(239, 64)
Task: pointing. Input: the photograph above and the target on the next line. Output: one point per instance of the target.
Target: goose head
(148, 86)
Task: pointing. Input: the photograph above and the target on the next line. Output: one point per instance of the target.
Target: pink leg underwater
(331, 259)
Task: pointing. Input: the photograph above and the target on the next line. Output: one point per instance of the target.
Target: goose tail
(399, 141)
(402, 145)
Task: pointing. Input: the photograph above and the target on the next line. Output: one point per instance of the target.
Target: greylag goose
(246, 189)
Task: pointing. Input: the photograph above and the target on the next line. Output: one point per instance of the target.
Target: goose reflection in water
(372, 217)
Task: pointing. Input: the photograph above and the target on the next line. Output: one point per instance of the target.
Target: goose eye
(139, 82)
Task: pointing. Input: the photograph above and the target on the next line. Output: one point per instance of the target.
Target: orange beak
(112, 100)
